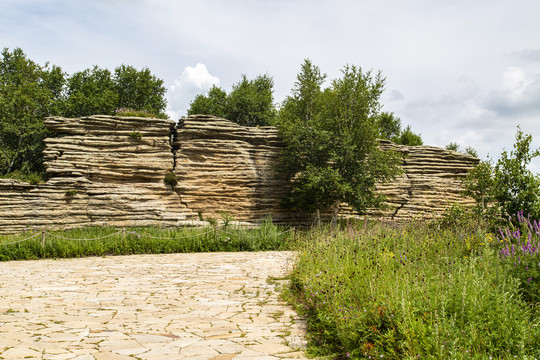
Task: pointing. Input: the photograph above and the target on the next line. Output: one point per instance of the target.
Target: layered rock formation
(104, 171)
(431, 182)
(110, 170)
(226, 169)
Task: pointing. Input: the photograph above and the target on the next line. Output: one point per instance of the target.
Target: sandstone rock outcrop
(227, 169)
(104, 171)
(431, 182)
(110, 170)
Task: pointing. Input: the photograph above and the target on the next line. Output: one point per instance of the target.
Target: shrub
(135, 135)
(71, 193)
(170, 179)
(137, 113)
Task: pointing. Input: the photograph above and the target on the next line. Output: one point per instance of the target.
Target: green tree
(407, 137)
(214, 103)
(452, 146)
(390, 129)
(389, 125)
(97, 91)
(28, 93)
(250, 102)
(139, 90)
(480, 185)
(516, 187)
(331, 154)
(508, 185)
(91, 92)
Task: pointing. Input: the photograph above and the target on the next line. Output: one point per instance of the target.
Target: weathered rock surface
(226, 168)
(431, 182)
(102, 173)
(110, 170)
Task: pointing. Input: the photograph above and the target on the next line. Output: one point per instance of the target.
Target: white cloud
(516, 95)
(193, 81)
(196, 77)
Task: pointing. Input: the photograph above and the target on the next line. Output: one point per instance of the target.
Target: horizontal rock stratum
(109, 170)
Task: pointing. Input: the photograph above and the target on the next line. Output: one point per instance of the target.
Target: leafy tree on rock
(250, 102)
(215, 103)
(331, 154)
(91, 92)
(390, 129)
(96, 91)
(139, 90)
(407, 137)
(28, 94)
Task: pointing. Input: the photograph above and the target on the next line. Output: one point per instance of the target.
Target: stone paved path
(216, 306)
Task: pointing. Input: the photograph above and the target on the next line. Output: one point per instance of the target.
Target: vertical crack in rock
(175, 146)
(409, 193)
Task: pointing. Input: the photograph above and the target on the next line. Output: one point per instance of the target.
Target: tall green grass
(98, 241)
(411, 291)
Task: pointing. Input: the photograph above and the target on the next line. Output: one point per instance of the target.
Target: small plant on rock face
(71, 193)
(137, 113)
(135, 135)
(170, 179)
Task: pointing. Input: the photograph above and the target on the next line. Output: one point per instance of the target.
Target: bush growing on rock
(170, 179)
(250, 102)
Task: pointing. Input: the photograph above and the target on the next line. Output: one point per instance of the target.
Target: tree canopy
(250, 102)
(331, 154)
(390, 129)
(508, 186)
(97, 91)
(30, 92)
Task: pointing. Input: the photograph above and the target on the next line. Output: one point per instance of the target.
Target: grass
(414, 291)
(128, 112)
(369, 290)
(32, 178)
(100, 241)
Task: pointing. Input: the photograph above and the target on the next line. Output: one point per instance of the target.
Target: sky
(456, 70)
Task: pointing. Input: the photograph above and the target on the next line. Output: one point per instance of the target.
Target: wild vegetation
(100, 241)
(418, 290)
(464, 286)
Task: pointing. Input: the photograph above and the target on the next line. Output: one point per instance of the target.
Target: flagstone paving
(218, 306)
